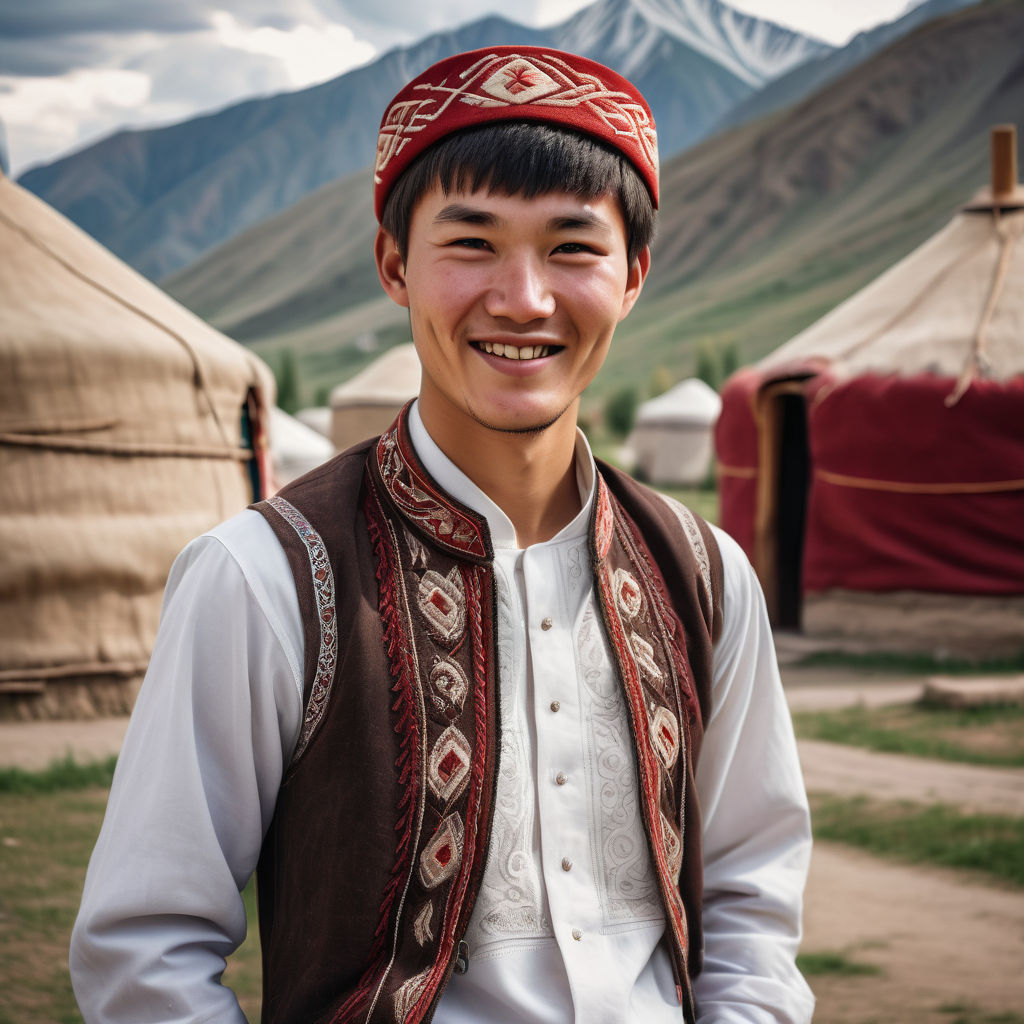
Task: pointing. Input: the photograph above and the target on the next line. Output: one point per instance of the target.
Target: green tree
(730, 360)
(620, 411)
(707, 365)
(288, 382)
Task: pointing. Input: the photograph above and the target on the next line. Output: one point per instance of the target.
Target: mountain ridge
(160, 198)
(763, 228)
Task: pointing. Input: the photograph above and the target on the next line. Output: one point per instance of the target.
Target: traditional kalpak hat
(515, 83)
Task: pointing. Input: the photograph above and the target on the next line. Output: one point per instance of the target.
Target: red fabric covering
(736, 447)
(521, 83)
(899, 431)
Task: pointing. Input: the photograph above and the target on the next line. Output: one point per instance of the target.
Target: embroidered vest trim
(436, 603)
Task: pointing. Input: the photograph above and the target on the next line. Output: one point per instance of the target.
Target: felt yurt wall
(367, 404)
(121, 438)
(671, 439)
(873, 467)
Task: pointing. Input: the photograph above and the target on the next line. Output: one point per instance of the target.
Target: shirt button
(577, 934)
(561, 778)
(566, 864)
(555, 705)
(546, 624)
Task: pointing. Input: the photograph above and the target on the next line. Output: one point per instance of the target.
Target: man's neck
(531, 477)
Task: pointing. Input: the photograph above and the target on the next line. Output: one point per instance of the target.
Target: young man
(500, 730)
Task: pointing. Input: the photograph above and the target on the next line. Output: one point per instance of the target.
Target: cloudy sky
(72, 71)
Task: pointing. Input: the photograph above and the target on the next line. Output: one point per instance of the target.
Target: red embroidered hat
(520, 83)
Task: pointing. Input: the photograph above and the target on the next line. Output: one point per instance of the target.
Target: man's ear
(635, 281)
(390, 267)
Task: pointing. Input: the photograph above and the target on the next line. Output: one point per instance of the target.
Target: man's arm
(195, 787)
(757, 839)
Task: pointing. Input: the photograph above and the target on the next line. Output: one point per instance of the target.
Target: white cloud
(47, 115)
(308, 53)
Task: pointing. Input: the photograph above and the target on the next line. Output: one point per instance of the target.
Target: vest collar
(440, 501)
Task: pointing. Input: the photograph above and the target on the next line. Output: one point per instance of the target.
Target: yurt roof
(92, 346)
(292, 440)
(955, 303)
(317, 418)
(391, 379)
(691, 402)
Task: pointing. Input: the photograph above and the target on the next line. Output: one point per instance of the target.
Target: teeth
(511, 352)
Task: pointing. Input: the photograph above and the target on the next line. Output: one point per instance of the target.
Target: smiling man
(499, 730)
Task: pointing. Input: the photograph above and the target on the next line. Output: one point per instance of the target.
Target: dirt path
(938, 937)
(833, 768)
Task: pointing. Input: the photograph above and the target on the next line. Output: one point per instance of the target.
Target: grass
(49, 821)
(986, 735)
(990, 844)
(913, 664)
(60, 775)
(960, 1013)
(833, 963)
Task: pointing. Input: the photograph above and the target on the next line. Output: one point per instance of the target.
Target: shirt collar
(503, 534)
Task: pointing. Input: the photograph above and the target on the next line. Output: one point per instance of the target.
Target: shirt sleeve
(756, 824)
(195, 787)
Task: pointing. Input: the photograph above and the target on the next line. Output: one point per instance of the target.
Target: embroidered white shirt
(567, 925)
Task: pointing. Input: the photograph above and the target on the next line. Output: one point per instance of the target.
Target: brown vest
(372, 862)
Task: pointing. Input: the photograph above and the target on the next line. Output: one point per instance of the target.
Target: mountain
(817, 72)
(762, 229)
(160, 198)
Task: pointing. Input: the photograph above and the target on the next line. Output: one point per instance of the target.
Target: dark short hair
(528, 159)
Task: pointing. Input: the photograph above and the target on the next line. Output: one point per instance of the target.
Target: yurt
(294, 447)
(127, 427)
(366, 404)
(873, 466)
(671, 439)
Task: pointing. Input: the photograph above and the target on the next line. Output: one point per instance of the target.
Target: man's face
(513, 302)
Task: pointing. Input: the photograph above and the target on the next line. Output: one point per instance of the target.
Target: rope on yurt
(901, 487)
(59, 442)
(976, 356)
(197, 367)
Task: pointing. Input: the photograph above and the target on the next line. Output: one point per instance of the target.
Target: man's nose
(520, 290)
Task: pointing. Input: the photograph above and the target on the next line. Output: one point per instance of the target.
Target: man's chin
(530, 427)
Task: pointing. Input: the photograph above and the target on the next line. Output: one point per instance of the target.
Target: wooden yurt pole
(1004, 160)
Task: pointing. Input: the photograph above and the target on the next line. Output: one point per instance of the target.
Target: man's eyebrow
(578, 221)
(461, 213)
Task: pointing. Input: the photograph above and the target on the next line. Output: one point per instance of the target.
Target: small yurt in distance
(295, 448)
(127, 427)
(367, 404)
(671, 439)
(873, 466)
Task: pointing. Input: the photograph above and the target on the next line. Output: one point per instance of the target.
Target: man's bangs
(526, 159)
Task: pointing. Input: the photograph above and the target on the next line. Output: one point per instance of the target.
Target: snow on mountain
(752, 48)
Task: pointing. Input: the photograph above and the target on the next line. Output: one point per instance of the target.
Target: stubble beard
(532, 430)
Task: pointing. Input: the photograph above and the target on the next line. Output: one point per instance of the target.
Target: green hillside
(762, 230)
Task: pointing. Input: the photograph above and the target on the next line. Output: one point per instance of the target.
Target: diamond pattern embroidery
(518, 81)
(673, 846)
(665, 736)
(627, 592)
(443, 603)
(450, 762)
(443, 854)
(644, 654)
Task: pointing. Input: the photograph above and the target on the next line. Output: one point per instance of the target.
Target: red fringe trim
(402, 670)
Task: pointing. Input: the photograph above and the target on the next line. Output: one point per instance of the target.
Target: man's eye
(469, 243)
(572, 248)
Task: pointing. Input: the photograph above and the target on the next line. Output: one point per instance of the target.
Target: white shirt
(194, 793)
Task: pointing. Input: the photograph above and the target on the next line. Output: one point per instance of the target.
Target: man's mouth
(521, 352)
